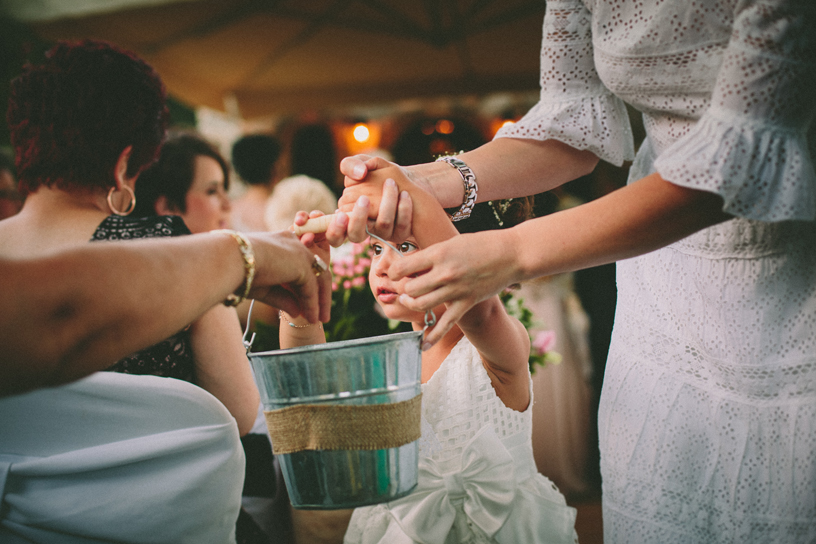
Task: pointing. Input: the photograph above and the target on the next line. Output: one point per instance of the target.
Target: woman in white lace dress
(478, 481)
(708, 411)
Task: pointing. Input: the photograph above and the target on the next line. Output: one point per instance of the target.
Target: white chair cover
(119, 458)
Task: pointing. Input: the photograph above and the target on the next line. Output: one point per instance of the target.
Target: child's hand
(316, 242)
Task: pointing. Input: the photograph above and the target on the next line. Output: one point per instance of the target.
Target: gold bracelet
(283, 318)
(248, 255)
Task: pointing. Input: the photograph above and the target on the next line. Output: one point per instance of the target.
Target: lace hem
(762, 173)
(599, 124)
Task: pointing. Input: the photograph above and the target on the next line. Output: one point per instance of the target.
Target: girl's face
(208, 207)
(387, 292)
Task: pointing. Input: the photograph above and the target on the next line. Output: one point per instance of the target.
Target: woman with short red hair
(84, 124)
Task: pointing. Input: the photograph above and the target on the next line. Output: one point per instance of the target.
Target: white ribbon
(484, 481)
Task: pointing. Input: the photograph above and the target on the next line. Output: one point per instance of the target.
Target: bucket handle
(248, 344)
(430, 317)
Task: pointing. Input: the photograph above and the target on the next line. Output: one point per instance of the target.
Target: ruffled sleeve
(575, 107)
(752, 145)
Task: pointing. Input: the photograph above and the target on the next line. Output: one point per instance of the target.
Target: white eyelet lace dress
(478, 481)
(708, 410)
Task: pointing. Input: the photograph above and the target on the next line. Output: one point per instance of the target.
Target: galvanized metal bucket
(344, 418)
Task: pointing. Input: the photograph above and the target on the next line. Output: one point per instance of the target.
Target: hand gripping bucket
(344, 418)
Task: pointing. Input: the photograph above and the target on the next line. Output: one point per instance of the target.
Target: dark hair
(7, 162)
(71, 117)
(314, 155)
(172, 174)
(496, 214)
(254, 158)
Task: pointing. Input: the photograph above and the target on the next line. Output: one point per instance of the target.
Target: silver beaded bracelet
(469, 179)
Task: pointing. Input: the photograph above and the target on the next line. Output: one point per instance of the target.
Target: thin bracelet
(283, 318)
(248, 255)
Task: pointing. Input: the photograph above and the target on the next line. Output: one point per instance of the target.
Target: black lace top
(172, 357)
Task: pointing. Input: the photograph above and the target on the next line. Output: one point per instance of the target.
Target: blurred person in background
(313, 168)
(10, 199)
(190, 179)
(255, 158)
(84, 125)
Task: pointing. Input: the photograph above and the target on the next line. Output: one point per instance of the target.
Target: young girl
(477, 478)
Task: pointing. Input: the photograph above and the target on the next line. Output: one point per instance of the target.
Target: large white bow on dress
(484, 480)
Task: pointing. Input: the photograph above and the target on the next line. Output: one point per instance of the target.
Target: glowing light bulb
(361, 132)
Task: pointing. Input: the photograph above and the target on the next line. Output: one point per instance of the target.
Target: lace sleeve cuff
(599, 124)
(762, 172)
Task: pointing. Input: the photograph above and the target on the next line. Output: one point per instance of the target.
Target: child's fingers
(301, 218)
(314, 223)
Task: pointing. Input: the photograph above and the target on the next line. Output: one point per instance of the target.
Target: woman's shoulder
(115, 227)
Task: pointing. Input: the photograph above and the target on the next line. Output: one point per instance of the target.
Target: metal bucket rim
(371, 340)
(345, 395)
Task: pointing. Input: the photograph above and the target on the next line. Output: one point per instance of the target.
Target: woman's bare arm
(221, 364)
(504, 168)
(631, 221)
(75, 312)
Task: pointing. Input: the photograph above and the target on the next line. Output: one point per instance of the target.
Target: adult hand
(285, 278)
(356, 168)
(459, 272)
(378, 206)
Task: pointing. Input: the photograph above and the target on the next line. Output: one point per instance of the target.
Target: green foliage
(541, 353)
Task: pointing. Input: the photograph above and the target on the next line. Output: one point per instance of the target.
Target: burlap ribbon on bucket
(344, 427)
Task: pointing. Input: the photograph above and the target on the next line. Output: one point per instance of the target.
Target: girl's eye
(376, 249)
(407, 247)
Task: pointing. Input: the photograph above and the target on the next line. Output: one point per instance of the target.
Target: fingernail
(403, 298)
(426, 346)
(404, 194)
(362, 202)
(390, 182)
(359, 170)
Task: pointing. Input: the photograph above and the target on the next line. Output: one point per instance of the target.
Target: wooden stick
(315, 225)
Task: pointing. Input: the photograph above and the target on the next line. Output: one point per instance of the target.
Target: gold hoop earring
(130, 207)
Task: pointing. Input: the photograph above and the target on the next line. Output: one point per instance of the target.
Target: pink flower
(347, 284)
(334, 287)
(358, 281)
(359, 268)
(544, 342)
